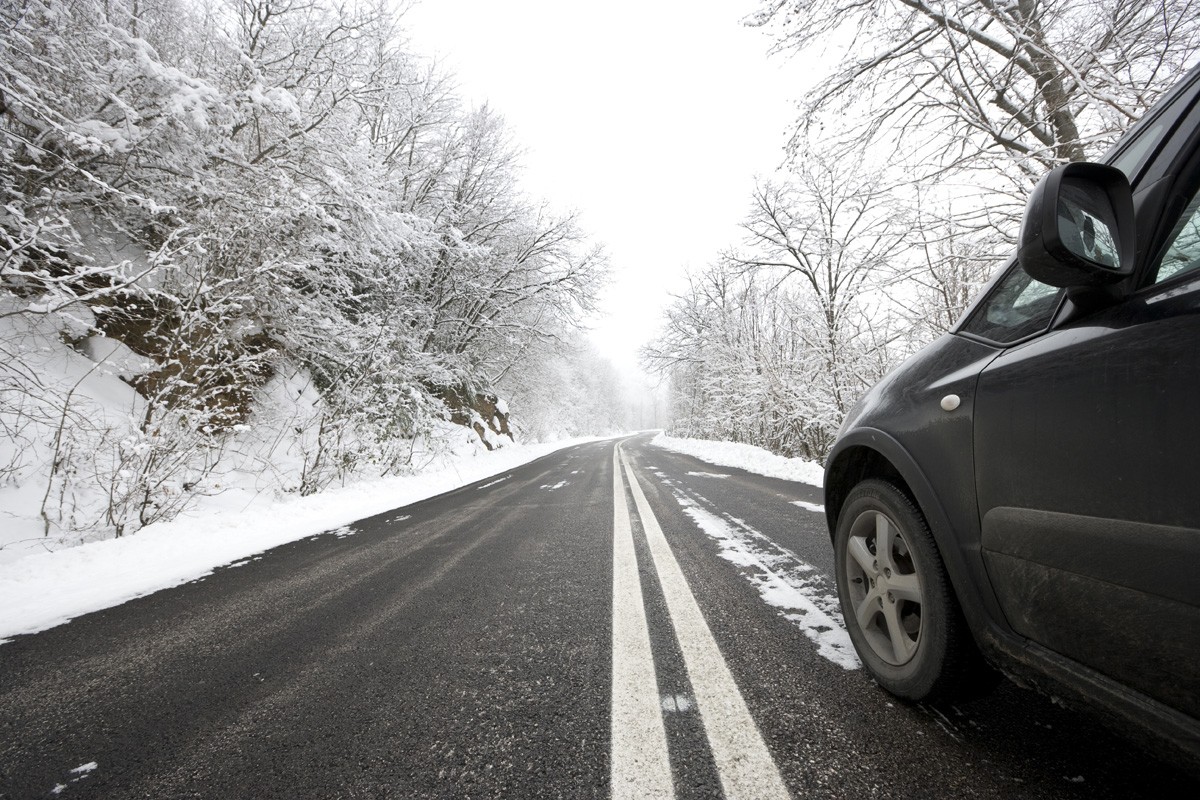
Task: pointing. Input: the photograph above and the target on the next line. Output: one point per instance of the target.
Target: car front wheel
(896, 598)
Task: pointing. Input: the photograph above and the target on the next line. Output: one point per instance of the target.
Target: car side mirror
(1078, 228)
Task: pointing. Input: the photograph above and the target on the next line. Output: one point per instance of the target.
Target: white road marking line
(744, 764)
(641, 767)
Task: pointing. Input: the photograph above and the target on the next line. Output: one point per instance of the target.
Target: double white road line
(641, 766)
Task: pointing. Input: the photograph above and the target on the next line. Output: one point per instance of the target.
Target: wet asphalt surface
(460, 647)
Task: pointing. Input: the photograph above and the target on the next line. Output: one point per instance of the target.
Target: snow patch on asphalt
(783, 580)
(677, 702)
(809, 506)
(81, 772)
(745, 456)
(493, 483)
(709, 474)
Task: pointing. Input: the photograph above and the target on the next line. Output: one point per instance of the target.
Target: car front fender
(867, 452)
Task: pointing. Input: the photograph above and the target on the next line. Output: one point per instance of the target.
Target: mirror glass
(1086, 223)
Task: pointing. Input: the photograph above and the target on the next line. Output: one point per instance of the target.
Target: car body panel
(1086, 441)
(920, 432)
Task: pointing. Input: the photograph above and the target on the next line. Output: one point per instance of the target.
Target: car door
(1087, 463)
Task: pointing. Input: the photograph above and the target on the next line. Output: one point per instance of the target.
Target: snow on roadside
(45, 589)
(783, 579)
(745, 456)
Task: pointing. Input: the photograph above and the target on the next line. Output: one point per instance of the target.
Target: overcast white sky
(651, 117)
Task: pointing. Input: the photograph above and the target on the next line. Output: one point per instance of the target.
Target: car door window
(1134, 157)
(1183, 253)
(1017, 307)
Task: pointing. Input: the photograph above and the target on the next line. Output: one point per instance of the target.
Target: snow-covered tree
(248, 194)
(909, 166)
(1034, 81)
(837, 232)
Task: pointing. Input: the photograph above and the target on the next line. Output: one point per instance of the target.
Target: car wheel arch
(871, 453)
(850, 467)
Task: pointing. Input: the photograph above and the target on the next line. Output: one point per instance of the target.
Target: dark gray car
(1027, 488)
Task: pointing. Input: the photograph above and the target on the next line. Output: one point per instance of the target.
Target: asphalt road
(464, 647)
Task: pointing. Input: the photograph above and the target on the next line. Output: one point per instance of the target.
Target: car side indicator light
(951, 402)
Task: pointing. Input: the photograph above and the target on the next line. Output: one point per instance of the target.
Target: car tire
(899, 607)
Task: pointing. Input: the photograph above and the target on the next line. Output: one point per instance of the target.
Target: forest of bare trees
(285, 232)
(908, 167)
(265, 238)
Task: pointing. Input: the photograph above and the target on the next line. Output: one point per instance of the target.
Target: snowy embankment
(43, 589)
(78, 464)
(747, 457)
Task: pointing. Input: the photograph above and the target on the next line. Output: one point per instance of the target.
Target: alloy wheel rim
(885, 588)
